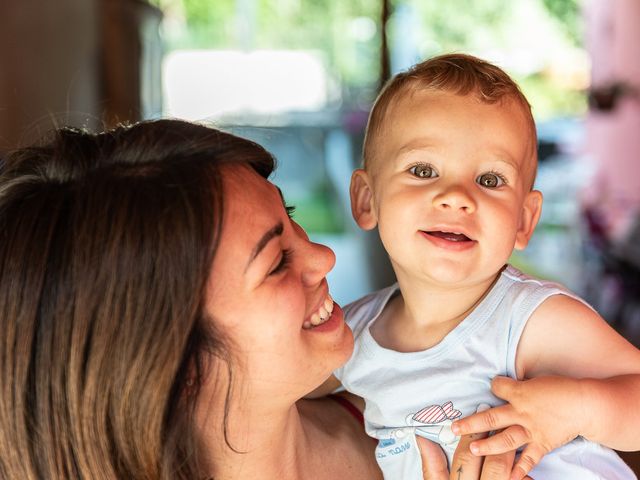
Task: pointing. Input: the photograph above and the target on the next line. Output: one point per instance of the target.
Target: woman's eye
(423, 170)
(491, 180)
(283, 263)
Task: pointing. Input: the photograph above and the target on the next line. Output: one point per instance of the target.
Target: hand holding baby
(534, 417)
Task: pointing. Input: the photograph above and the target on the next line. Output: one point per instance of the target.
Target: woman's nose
(455, 198)
(319, 260)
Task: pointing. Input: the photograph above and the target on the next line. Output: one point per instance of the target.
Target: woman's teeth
(322, 315)
(319, 317)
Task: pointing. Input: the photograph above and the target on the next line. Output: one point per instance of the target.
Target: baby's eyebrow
(508, 163)
(416, 147)
(409, 152)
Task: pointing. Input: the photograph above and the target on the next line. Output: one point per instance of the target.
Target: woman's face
(266, 291)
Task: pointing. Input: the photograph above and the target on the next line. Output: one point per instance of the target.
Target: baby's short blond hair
(456, 73)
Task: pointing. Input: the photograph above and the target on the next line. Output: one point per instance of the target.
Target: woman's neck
(317, 436)
(258, 444)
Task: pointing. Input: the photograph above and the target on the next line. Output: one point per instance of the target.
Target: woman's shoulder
(339, 433)
(338, 415)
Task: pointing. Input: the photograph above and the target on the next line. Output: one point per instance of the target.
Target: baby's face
(451, 186)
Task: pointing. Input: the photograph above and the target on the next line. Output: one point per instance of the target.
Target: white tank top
(421, 393)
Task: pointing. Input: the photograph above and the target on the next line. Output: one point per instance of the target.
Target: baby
(449, 165)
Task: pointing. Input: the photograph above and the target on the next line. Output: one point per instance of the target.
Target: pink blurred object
(613, 133)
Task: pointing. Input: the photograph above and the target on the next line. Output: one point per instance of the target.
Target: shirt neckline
(466, 328)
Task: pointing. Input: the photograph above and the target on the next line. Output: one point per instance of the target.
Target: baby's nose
(455, 197)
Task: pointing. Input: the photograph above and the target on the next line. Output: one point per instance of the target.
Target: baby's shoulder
(359, 313)
(525, 293)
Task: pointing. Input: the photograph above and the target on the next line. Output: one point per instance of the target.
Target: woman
(162, 317)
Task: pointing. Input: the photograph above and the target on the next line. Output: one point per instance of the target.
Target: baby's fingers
(529, 458)
(507, 440)
(485, 421)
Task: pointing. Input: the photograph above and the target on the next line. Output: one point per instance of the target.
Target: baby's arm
(564, 338)
(330, 385)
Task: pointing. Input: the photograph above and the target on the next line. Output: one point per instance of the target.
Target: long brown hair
(106, 242)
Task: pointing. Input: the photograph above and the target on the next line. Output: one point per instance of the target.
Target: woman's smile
(321, 315)
(334, 321)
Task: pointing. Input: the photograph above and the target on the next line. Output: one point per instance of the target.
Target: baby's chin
(455, 278)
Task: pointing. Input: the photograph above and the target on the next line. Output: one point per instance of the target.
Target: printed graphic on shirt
(393, 441)
(434, 422)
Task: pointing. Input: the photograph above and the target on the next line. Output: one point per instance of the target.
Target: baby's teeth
(315, 319)
(328, 304)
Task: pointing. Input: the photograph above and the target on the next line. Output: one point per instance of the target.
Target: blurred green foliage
(322, 25)
(347, 34)
(551, 100)
(568, 14)
(456, 24)
(319, 211)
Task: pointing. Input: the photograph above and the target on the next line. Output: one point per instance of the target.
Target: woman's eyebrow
(276, 231)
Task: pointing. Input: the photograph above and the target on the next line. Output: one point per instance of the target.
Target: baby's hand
(541, 413)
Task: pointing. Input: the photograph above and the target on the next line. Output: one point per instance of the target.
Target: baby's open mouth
(450, 236)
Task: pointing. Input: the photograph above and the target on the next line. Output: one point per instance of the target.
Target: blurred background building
(299, 76)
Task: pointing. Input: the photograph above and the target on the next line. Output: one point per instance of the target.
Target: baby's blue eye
(423, 170)
(490, 180)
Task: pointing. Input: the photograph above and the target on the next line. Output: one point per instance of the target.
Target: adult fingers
(465, 465)
(498, 467)
(434, 462)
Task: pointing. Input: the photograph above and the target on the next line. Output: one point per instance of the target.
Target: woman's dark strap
(350, 407)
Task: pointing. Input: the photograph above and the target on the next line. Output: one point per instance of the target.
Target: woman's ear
(531, 210)
(361, 193)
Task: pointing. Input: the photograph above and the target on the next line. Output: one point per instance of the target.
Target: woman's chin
(335, 336)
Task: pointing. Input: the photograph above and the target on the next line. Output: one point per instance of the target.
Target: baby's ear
(362, 200)
(531, 210)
